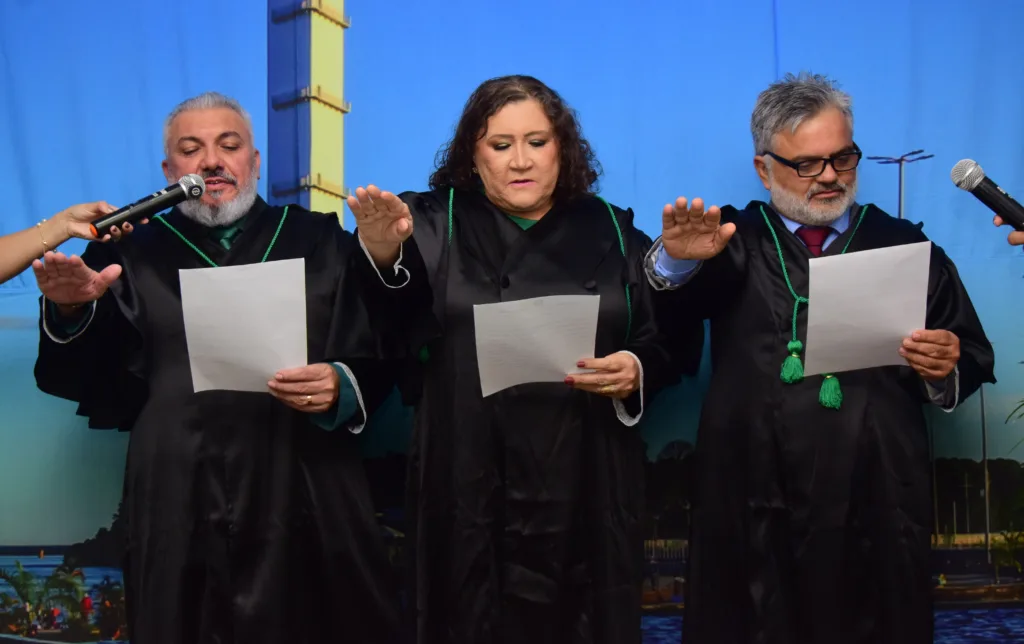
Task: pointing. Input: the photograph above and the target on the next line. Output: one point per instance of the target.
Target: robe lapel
(839, 243)
(196, 235)
(251, 242)
(577, 236)
(480, 234)
(793, 249)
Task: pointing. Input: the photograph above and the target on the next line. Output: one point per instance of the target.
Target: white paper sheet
(534, 340)
(862, 305)
(244, 323)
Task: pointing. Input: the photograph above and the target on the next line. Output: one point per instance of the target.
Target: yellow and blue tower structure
(305, 158)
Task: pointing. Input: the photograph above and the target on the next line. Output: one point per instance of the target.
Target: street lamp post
(909, 157)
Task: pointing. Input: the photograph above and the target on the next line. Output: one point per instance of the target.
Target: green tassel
(792, 367)
(424, 354)
(830, 396)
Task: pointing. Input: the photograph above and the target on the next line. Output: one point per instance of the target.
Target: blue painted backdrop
(665, 91)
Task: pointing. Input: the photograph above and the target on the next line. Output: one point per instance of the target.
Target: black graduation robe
(525, 506)
(810, 525)
(246, 522)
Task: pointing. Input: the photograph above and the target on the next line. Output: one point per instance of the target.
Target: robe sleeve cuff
(348, 410)
(620, 405)
(64, 331)
(401, 273)
(665, 273)
(945, 394)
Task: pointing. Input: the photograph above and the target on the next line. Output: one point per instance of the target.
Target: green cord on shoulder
(203, 255)
(831, 395)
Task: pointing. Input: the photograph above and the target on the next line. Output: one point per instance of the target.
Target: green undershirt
(522, 222)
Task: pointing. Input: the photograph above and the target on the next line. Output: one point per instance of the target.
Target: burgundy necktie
(813, 237)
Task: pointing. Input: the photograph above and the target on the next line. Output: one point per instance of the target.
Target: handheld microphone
(191, 186)
(969, 176)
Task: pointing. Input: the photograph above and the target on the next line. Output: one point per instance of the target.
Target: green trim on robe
(344, 408)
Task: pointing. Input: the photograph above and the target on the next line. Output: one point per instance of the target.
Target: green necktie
(226, 236)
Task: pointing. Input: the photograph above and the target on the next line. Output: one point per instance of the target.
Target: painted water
(973, 626)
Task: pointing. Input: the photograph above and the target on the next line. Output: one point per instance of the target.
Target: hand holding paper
(616, 376)
(535, 340)
(932, 354)
(862, 305)
(244, 323)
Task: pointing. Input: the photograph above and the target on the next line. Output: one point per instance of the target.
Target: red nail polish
(569, 380)
(580, 364)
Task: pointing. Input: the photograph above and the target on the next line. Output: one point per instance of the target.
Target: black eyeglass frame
(820, 163)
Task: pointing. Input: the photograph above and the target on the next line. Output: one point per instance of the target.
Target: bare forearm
(17, 250)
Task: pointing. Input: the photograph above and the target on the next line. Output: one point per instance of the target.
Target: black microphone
(969, 176)
(191, 186)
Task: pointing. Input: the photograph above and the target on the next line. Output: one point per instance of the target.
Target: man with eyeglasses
(812, 508)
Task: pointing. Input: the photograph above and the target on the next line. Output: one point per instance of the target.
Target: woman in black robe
(525, 505)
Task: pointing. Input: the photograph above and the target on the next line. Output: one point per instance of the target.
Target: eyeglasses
(842, 162)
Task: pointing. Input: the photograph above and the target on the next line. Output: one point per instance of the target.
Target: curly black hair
(578, 166)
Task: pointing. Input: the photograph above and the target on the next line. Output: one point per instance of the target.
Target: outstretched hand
(692, 233)
(67, 280)
(383, 222)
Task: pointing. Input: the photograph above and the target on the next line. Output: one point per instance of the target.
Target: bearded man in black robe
(249, 516)
(812, 506)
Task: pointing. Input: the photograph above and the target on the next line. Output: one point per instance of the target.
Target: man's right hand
(691, 233)
(383, 222)
(68, 282)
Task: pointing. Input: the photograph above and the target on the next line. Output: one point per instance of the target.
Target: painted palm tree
(38, 603)
(111, 617)
(1018, 411)
(1016, 414)
(1008, 550)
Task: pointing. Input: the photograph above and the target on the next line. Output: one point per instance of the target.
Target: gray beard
(222, 214)
(800, 209)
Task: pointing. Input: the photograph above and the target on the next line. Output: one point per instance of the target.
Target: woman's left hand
(616, 376)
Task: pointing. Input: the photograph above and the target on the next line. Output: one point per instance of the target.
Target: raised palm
(688, 232)
(67, 280)
(382, 218)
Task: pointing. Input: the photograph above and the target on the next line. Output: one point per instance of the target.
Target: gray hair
(205, 101)
(789, 102)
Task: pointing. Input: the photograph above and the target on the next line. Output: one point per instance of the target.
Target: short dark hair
(578, 166)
